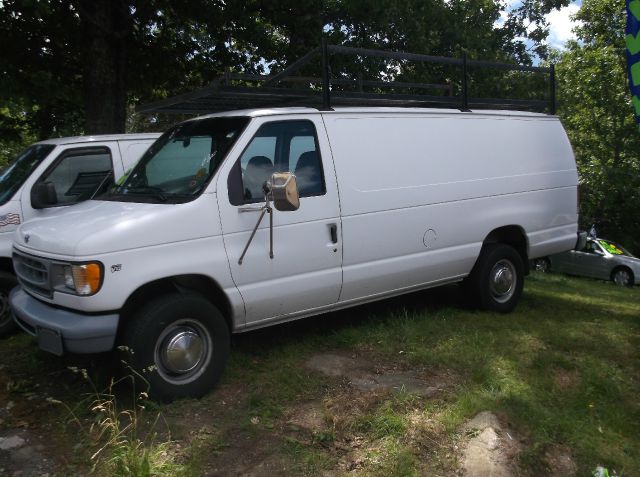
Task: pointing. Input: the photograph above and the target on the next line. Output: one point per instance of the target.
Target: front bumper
(61, 330)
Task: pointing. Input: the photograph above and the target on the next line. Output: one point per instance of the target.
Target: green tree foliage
(598, 116)
(75, 65)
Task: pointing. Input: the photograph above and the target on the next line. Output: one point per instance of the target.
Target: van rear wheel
(179, 345)
(497, 278)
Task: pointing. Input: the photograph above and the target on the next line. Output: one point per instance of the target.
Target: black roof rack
(234, 91)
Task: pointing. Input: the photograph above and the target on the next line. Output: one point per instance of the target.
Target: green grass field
(562, 371)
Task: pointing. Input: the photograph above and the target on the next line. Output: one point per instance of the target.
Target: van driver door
(305, 272)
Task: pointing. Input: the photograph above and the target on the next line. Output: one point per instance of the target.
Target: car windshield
(181, 162)
(614, 248)
(14, 175)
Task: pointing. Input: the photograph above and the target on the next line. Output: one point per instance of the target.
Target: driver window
(80, 174)
(592, 248)
(279, 146)
(257, 166)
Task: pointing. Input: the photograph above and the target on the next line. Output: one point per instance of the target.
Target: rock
(483, 420)
(489, 452)
(11, 442)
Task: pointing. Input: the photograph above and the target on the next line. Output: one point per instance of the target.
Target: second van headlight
(78, 278)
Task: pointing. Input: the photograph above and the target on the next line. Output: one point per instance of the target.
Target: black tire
(7, 325)
(179, 344)
(622, 277)
(542, 265)
(497, 278)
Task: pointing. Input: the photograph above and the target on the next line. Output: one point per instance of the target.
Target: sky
(560, 24)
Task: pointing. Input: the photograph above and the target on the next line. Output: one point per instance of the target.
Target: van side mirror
(43, 194)
(284, 190)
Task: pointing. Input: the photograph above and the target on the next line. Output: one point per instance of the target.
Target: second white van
(56, 173)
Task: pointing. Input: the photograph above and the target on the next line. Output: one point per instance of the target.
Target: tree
(598, 116)
(75, 66)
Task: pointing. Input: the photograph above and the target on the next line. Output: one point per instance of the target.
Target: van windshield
(13, 176)
(179, 165)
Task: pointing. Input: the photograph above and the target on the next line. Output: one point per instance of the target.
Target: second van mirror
(43, 195)
(284, 190)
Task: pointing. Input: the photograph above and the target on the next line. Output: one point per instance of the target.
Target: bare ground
(324, 435)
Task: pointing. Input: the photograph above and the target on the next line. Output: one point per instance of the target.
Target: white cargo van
(55, 173)
(368, 203)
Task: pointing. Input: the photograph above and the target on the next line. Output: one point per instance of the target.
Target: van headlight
(79, 278)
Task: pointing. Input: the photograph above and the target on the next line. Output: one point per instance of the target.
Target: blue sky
(560, 24)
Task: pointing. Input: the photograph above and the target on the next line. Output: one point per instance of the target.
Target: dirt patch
(566, 380)
(248, 456)
(560, 462)
(491, 449)
(309, 416)
(21, 454)
(366, 375)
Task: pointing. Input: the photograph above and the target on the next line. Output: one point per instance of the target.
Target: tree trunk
(105, 25)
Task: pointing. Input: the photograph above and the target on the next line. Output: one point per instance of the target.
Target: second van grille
(33, 273)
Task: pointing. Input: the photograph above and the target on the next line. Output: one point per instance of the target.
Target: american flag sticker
(9, 219)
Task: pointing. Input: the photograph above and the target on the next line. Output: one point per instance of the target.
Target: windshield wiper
(154, 191)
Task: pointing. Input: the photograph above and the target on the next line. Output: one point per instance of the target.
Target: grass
(563, 370)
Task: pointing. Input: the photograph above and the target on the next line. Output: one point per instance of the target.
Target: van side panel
(419, 193)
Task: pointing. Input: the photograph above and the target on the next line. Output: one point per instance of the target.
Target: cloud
(560, 25)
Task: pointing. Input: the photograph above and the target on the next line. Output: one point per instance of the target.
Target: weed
(121, 447)
(383, 422)
(307, 460)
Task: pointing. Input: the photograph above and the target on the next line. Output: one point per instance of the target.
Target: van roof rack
(235, 91)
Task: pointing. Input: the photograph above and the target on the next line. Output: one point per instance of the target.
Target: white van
(55, 173)
(369, 203)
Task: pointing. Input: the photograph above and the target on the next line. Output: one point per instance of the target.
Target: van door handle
(333, 228)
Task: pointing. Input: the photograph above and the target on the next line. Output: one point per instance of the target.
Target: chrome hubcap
(502, 280)
(182, 351)
(621, 278)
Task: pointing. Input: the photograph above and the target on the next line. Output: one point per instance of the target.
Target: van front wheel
(178, 344)
(497, 278)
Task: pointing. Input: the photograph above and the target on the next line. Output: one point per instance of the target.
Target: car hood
(97, 227)
(626, 260)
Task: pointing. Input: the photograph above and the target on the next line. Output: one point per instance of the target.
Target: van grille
(33, 273)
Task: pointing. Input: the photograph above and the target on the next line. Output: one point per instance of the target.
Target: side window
(593, 248)
(279, 146)
(131, 153)
(80, 173)
(257, 164)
